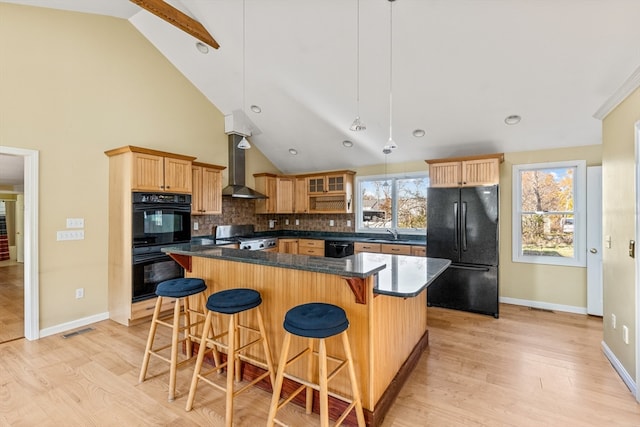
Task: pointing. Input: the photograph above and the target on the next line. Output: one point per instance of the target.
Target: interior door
(594, 240)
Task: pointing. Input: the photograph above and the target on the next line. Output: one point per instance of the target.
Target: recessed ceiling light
(293, 151)
(512, 120)
(203, 48)
(347, 143)
(256, 109)
(419, 133)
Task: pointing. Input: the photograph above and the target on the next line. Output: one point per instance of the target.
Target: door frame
(31, 282)
(637, 150)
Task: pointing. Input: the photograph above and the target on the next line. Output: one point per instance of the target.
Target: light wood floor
(11, 300)
(528, 368)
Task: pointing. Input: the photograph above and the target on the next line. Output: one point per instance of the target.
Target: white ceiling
(459, 68)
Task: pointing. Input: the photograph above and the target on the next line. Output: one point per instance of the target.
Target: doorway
(31, 305)
(11, 266)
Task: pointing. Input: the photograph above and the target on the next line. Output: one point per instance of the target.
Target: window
(549, 213)
(392, 202)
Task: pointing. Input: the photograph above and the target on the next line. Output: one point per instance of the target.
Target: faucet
(394, 233)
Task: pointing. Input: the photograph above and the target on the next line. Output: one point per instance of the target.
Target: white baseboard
(78, 323)
(544, 305)
(630, 383)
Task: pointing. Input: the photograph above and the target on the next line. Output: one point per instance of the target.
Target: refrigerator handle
(456, 231)
(463, 227)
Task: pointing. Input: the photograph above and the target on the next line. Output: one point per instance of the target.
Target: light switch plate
(75, 222)
(70, 235)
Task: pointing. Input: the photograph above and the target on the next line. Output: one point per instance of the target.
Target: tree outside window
(398, 202)
(547, 221)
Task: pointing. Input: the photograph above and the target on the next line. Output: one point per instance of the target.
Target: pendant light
(357, 124)
(244, 143)
(391, 145)
(386, 152)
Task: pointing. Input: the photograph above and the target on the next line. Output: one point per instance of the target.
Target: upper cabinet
(330, 192)
(207, 189)
(156, 171)
(465, 171)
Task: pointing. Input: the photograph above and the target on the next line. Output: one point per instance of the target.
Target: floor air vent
(73, 334)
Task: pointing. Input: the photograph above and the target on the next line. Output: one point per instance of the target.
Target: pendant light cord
(244, 53)
(391, 70)
(358, 58)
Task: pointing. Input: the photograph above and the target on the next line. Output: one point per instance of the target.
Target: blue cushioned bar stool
(180, 289)
(316, 321)
(232, 302)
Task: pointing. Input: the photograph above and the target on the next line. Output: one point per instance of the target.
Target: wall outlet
(297, 222)
(79, 293)
(195, 225)
(286, 221)
(331, 223)
(75, 222)
(613, 321)
(348, 223)
(625, 334)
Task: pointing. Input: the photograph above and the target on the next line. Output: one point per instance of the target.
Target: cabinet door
(285, 195)
(445, 174)
(419, 250)
(288, 246)
(177, 175)
(268, 186)
(211, 191)
(197, 185)
(480, 172)
(148, 172)
(335, 183)
(315, 184)
(301, 203)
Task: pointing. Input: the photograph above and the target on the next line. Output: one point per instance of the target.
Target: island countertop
(397, 275)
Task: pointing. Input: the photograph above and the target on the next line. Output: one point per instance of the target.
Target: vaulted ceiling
(459, 67)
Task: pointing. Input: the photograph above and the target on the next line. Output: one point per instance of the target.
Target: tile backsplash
(242, 211)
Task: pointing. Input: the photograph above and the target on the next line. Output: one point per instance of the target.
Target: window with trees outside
(549, 213)
(392, 202)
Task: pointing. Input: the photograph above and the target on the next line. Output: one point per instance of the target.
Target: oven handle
(140, 258)
(180, 207)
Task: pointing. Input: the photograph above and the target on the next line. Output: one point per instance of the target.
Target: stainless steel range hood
(237, 187)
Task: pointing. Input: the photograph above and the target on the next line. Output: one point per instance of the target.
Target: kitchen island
(384, 297)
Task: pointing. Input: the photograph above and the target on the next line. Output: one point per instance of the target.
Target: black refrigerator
(462, 225)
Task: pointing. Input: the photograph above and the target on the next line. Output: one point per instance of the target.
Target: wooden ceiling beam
(175, 17)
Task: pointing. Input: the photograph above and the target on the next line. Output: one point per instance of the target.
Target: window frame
(394, 202)
(579, 215)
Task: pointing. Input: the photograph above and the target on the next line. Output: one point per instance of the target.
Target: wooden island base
(387, 333)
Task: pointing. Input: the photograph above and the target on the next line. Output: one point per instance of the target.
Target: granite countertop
(397, 275)
(405, 239)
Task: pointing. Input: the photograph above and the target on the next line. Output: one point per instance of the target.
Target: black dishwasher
(337, 248)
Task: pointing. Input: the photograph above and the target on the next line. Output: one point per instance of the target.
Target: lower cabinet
(288, 246)
(395, 249)
(311, 247)
(366, 247)
(145, 308)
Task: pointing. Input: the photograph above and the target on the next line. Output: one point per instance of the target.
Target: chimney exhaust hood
(237, 187)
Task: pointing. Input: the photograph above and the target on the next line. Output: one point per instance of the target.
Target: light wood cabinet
(266, 184)
(311, 247)
(465, 171)
(136, 169)
(288, 246)
(331, 192)
(285, 194)
(386, 248)
(280, 192)
(207, 189)
(157, 171)
(301, 203)
(419, 250)
(366, 247)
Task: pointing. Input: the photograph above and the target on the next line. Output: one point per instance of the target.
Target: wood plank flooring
(11, 300)
(528, 368)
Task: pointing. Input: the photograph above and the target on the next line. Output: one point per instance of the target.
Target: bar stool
(316, 321)
(180, 289)
(231, 302)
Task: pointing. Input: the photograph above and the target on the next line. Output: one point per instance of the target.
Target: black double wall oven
(158, 219)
